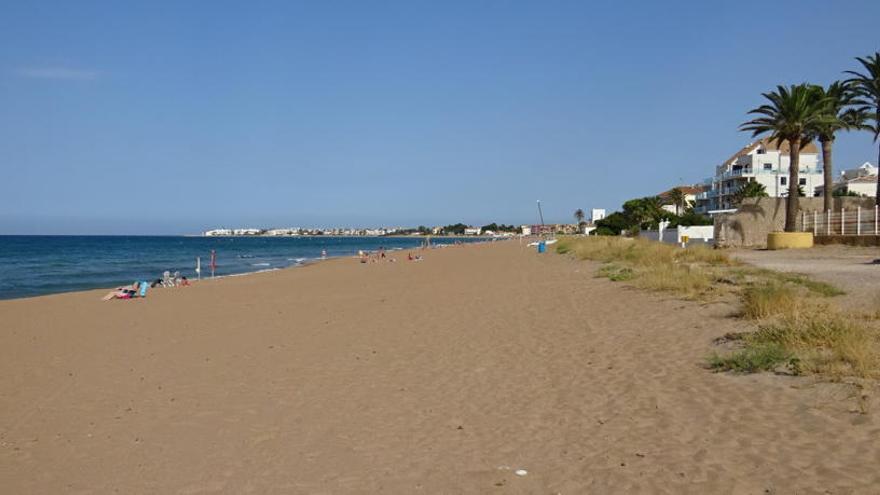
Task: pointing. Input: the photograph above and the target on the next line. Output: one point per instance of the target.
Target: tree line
(647, 213)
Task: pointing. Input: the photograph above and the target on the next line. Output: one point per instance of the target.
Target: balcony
(746, 172)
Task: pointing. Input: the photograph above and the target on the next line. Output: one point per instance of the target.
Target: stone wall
(757, 217)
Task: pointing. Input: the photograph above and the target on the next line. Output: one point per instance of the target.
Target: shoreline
(233, 266)
(194, 281)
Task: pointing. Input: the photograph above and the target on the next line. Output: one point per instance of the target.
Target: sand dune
(443, 376)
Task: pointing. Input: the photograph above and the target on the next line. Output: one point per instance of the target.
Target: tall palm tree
(866, 89)
(791, 114)
(677, 197)
(579, 217)
(838, 116)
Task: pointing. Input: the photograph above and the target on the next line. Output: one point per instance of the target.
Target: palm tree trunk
(877, 199)
(791, 204)
(826, 169)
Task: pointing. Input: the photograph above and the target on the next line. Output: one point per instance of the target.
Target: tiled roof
(769, 146)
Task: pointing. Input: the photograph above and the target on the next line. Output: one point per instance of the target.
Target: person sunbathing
(124, 292)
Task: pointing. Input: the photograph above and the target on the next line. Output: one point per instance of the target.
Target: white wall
(696, 234)
(865, 188)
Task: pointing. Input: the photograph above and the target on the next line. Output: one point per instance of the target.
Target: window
(783, 181)
(802, 181)
(760, 151)
(768, 166)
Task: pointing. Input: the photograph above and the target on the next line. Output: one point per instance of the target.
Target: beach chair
(176, 279)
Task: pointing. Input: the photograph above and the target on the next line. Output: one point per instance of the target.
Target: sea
(38, 265)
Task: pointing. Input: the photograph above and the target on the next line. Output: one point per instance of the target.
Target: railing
(759, 171)
(852, 221)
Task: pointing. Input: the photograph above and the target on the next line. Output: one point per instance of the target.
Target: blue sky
(173, 117)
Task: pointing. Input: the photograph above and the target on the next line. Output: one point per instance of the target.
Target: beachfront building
(218, 232)
(864, 170)
(472, 231)
(597, 214)
(861, 180)
(765, 162)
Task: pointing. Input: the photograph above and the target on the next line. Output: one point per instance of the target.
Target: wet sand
(440, 376)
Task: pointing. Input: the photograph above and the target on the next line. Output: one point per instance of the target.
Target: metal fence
(855, 221)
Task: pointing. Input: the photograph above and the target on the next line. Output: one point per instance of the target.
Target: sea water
(37, 265)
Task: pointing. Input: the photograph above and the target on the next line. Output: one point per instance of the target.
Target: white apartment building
(597, 214)
(472, 231)
(764, 162)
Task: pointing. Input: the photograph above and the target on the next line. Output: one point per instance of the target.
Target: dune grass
(770, 299)
(651, 265)
(795, 328)
(818, 342)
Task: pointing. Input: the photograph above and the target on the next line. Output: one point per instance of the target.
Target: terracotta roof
(685, 189)
(769, 146)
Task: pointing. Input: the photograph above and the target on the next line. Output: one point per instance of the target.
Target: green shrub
(764, 357)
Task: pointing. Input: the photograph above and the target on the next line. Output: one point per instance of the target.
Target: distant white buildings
(763, 162)
(218, 232)
(472, 231)
(283, 232)
(597, 214)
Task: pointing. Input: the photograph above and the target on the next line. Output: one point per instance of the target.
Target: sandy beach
(441, 376)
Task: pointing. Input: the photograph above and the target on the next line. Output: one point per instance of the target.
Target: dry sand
(443, 376)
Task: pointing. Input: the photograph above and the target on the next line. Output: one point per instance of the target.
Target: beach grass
(771, 299)
(795, 328)
(690, 273)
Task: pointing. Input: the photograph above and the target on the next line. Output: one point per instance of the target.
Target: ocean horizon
(36, 265)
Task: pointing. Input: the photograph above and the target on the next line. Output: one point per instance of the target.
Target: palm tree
(579, 217)
(677, 197)
(750, 189)
(791, 115)
(838, 117)
(866, 89)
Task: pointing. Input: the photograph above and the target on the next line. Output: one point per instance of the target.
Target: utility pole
(541, 215)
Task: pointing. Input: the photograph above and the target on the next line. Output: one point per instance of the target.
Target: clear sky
(174, 117)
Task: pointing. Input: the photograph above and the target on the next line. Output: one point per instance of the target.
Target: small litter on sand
(521, 472)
